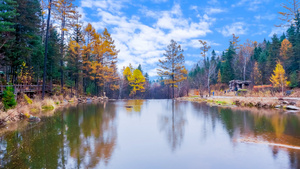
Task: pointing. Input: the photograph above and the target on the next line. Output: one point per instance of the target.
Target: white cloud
(265, 17)
(213, 2)
(278, 31)
(252, 5)
(190, 63)
(144, 44)
(211, 10)
(238, 28)
(159, 1)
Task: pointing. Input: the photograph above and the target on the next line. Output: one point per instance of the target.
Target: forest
(45, 43)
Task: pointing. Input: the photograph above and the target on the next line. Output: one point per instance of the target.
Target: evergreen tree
(7, 14)
(172, 67)
(227, 68)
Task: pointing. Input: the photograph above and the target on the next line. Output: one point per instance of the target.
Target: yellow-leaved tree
(64, 12)
(279, 79)
(135, 79)
(172, 68)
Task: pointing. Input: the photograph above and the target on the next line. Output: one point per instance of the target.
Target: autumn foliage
(278, 78)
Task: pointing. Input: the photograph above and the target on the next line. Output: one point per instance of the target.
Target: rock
(292, 107)
(88, 100)
(34, 119)
(285, 102)
(258, 104)
(292, 103)
(278, 106)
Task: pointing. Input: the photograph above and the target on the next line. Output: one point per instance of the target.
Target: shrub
(28, 100)
(48, 104)
(8, 99)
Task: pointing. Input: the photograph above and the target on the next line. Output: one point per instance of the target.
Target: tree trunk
(245, 69)
(62, 54)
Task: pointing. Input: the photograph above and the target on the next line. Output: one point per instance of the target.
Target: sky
(142, 29)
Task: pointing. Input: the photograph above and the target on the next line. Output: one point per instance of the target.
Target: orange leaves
(291, 9)
(285, 49)
(99, 58)
(204, 48)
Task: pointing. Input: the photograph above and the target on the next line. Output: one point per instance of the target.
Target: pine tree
(274, 54)
(172, 67)
(226, 67)
(7, 14)
(74, 56)
(64, 12)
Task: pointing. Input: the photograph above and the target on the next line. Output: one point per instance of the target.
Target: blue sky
(142, 29)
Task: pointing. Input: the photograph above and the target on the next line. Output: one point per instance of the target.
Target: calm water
(155, 134)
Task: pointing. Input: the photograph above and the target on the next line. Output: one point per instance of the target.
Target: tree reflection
(136, 106)
(85, 134)
(172, 123)
(258, 125)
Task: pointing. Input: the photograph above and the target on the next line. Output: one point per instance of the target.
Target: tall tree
(247, 52)
(291, 10)
(256, 74)
(27, 31)
(46, 49)
(172, 67)
(64, 13)
(204, 49)
(7, 14)
(227, 67)
(74, 56)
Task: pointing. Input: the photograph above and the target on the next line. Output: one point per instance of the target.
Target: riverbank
(33, 109)
(287, 103)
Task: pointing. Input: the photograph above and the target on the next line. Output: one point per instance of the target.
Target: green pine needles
(8, 99)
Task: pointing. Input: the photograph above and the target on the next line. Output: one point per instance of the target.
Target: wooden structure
(235, 85)
(26, 88)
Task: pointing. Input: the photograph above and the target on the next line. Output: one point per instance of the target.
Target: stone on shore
(292, 107)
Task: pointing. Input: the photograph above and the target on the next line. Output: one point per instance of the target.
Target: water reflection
(165, 134)
(82, 137)
(172, 123)
(134, 106)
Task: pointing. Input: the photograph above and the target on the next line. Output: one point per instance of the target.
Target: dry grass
(296, 93)
(48, 104)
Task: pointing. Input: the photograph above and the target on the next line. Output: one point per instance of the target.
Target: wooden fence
(26, 88)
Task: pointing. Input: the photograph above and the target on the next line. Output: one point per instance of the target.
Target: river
(153, 134)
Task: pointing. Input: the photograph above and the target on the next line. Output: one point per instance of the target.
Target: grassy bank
(259, 102)
(33, 108)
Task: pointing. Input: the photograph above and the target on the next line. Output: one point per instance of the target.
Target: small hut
(235, 85)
